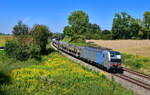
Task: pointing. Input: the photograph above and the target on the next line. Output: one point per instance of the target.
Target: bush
(22, 51)
(35, 52)
(11, 48)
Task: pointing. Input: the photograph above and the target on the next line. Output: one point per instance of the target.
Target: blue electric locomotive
(109, 59)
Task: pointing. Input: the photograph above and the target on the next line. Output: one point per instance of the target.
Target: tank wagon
(107, 58)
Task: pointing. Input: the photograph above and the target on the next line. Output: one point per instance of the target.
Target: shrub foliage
(21, 52)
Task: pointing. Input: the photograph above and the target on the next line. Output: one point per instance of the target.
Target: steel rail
(136, 73)
(134, 81)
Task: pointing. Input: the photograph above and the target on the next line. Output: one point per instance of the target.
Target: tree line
(124, 26)
(3, 34)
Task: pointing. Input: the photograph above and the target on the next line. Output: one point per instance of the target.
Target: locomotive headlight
(118, 56)
(118, 64)
(111, 64)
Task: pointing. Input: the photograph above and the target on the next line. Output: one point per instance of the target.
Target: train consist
(106, 58)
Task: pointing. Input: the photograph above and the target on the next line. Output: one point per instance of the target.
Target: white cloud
(27, 19)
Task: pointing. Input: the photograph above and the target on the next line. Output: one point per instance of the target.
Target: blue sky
(54, 13)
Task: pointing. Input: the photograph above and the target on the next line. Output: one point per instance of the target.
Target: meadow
(53, 75)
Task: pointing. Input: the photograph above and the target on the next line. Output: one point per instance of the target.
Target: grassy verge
(55, 75)
(138, 63)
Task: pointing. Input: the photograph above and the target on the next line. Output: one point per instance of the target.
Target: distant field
(3, 40)
(136, 47)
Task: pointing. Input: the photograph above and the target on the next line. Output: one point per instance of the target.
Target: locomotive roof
(91, 48)
(114, 51)
(100, 49)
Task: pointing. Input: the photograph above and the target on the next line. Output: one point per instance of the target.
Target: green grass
(138, 63)
(55, 75)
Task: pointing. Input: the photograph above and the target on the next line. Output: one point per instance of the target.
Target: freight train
(104, 57)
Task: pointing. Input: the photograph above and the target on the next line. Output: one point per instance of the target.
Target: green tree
(146, 20)
(79, 18)
(140, 34)
(40, 35)
(121, 26)
(67, 31)
(94, 32)
(125, 25)
(21, 32)
(116, 27)
(20, 29)
(106, 35)
(135, 29)
(78, 21)
(143, 32)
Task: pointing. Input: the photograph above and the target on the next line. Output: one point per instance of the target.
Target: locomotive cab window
(113, 53)
(115, 56)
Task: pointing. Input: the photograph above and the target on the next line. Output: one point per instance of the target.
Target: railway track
(134, 81)
(137, 73)
(136, 78)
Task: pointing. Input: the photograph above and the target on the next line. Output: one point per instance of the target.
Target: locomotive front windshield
(115, 56)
